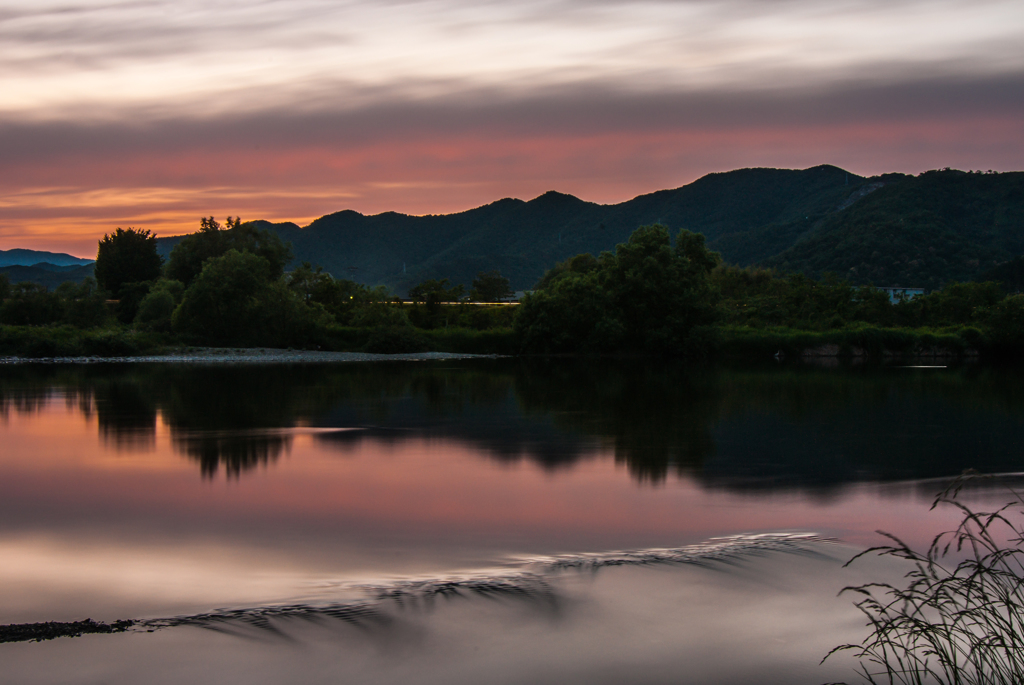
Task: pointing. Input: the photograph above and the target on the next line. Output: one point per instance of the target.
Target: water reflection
(125, 413)
(737, 428)
(657, 417)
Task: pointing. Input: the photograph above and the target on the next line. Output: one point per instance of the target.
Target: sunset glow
(154, 114)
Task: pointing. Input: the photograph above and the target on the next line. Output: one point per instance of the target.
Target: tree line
(654, 294)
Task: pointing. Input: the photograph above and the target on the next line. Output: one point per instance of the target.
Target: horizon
(305, 222)
(152, 115)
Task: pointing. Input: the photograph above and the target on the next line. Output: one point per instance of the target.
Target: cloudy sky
(153, 113)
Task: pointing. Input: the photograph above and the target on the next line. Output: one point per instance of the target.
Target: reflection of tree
(232, 416)
(657, 416)
(807, 427)
(126, 413)
(733, 428)
(23, 401)
(237, 453)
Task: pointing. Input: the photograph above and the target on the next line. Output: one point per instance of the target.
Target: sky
(154, 113)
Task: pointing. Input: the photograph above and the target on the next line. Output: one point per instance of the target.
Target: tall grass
(951, 624)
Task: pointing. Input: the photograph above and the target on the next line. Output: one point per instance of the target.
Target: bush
(85, 305)
(65, 341)
(157, 307)
(31, 305)
(468, 341)
(234, 301)
(1006, 323)
(396, 340)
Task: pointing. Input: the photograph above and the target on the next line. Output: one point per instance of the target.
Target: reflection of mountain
(732, 428)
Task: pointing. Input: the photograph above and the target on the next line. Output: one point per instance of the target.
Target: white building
(898, 294)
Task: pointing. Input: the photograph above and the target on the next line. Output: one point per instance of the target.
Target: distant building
(897, 294)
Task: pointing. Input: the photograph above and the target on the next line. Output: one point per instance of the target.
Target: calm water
(463, 522)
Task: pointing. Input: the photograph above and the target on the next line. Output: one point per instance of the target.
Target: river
(468, 521)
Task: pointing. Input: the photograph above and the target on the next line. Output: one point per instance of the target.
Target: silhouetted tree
(211, 241)
(489, 286)
(126, 257)
(433, 291)
(647, 296)
(340, 297)
(236, 301)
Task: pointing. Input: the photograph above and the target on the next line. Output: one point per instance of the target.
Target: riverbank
(240, 355)
(340, 344)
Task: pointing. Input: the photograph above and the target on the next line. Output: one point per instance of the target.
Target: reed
(951, 624)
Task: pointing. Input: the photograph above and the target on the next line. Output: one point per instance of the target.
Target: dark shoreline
(50, 630)
(244, 355)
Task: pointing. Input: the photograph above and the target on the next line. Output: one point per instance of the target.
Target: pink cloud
(66, 199)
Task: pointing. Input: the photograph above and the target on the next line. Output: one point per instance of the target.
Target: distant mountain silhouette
(21, 257)
(891, 229)
(524, 239)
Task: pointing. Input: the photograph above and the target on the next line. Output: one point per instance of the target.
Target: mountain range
(894, 229)
(889, 230)
(45, 268)
(22, 257)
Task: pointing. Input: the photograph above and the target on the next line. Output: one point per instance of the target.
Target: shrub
(235, 301)
(396, 340)
(31, 305)
(155, 309)
(85, 305)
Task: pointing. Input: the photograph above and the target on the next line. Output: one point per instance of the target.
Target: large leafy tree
(647, 296)
(341, 298)
(213, 240)
(489, 286)
(433, 291)
(236, 300)
(127, 256)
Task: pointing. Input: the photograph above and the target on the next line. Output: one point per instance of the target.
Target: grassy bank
(405, 339)
(68, 341)
(730, 341)
(123, 341)
(862, 340)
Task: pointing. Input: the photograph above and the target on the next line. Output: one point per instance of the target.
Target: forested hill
(793, 219)
(918, 231)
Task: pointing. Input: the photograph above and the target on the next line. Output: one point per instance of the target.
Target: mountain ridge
(523, 239)
(23, 257)
(892, 229)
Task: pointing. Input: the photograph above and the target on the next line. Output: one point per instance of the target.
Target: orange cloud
(68, 201)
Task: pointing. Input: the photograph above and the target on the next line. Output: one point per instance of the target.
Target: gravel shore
(242, 355)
